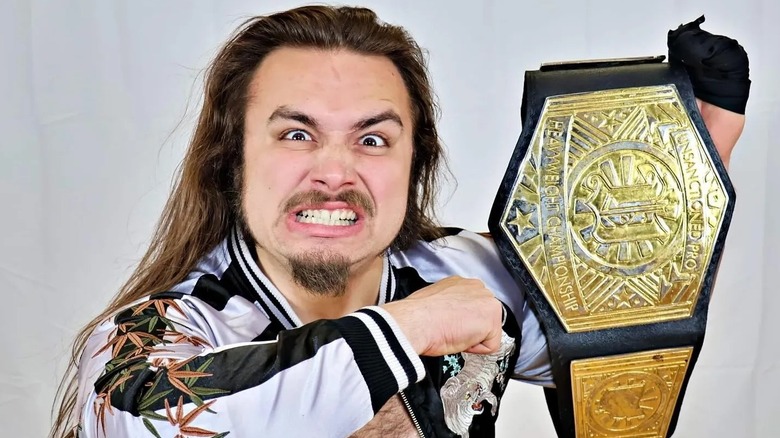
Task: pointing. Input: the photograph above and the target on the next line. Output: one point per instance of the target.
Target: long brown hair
(203, 204)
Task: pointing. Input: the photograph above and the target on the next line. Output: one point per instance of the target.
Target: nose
(334, 168)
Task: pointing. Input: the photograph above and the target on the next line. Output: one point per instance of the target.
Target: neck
(362, 289)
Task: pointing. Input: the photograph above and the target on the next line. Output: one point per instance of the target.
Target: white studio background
(94, 118)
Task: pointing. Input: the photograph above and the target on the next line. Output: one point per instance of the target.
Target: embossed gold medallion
(616, 208)
(631, 395)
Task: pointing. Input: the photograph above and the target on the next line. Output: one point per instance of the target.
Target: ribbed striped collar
(272, 302)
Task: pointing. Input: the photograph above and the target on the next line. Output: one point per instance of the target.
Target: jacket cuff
(384, 356)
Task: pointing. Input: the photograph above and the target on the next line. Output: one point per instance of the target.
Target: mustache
(349, 197)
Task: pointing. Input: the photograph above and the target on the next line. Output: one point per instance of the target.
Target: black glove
(717, 65)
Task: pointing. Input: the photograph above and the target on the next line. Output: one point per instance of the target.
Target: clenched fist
(450, 316)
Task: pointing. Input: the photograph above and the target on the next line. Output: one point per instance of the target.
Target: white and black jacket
(223, 353)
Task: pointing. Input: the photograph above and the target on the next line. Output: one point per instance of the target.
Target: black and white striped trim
(383, 354)
(399, 345)
(272, 302)
(387, 287)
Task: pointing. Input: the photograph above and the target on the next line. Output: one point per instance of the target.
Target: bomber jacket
(223, 353)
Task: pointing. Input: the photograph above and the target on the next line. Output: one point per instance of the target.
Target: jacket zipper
(411, 414)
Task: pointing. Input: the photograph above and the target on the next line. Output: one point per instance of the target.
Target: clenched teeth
(342, 217)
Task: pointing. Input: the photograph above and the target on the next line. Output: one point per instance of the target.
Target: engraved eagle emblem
(462, 395)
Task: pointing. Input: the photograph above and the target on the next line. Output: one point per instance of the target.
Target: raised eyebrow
(378, 118)
(285, 112)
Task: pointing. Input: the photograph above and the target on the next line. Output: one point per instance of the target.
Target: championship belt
(613, 214)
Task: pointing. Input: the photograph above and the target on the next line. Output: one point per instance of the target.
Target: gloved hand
(720, 74)
(717, 65)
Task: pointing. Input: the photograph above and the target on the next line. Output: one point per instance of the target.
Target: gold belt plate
(616, 208)
(629, 396)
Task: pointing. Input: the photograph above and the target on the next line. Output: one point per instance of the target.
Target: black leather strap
(566, 347)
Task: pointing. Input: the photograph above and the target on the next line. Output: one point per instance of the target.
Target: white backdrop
(94, 117)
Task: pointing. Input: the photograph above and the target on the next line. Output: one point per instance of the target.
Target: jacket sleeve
(533, 362)
(468, 254)
(172, 365)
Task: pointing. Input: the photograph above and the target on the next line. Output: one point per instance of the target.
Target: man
(297, 284)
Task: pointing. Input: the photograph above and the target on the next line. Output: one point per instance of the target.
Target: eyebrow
(377, 119)
(285, 112)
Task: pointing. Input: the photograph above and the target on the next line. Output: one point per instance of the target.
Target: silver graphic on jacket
(462, 395)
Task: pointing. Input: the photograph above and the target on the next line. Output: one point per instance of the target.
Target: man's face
(328, 152)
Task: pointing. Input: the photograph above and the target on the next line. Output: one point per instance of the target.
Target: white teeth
(342, 217)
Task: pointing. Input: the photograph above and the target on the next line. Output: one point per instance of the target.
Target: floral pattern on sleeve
(141, 380)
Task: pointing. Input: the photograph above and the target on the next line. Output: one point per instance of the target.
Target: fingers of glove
(717, 65)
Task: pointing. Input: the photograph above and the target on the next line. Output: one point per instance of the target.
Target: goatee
(321, 273)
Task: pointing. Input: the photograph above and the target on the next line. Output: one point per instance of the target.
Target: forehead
(328, 83)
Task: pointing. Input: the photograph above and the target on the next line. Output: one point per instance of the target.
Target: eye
(372, 140)
(297, 135)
